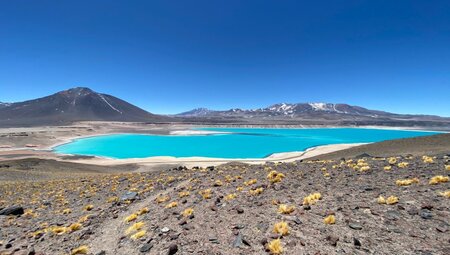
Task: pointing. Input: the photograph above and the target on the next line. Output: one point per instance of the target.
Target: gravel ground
(239, 215)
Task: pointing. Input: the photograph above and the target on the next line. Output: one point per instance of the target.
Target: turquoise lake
(239, 143)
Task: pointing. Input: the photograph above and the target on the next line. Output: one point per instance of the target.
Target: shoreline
(207, 161)
(50, 139)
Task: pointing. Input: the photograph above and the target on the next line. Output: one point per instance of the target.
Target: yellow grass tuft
(112, 199)
(281, 228)
(392, 200)
(286, 209)
(218, 183)
(162, 199)
(381, 200)
(80, 250)
(438, 179)
(256, 191)
(206, 194)
(250, 182)
(387, 168)
(131, 217)
(447, 167)
(138, 235)
(445, 193)
(230, 196)
(427, 159)
(88, 207)
(312, 199)
(74, 227)
(403, 164)
(143, 211)
(406, 182)
(275, 176)
(330, 219)
(183, 194)
(135, 227)
(171, 205)
(275, 247)
(392, 160)
(58, 230)
(187, 212)
(66, 211)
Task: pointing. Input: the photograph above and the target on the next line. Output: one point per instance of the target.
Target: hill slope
(76, 104)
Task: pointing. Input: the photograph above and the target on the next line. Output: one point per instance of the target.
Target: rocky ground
(234, 208)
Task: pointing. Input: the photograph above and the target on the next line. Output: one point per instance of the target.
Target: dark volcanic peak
(76, 104)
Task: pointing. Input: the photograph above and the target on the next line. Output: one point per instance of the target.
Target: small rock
(146, 247)
(442, 228)
(356, 242)
(332, 239)
(425, 214)
(165, 229)
(129, 196)
(13, 210)
(173, 248)
(355, 225)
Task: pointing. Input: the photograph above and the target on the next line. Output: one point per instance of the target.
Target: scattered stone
(146, 248)
(355, 225)
(442, 228)
(12, 210)
(332, 239)
(165, 229)
(173, 248)
(129, 196)
(425, 214)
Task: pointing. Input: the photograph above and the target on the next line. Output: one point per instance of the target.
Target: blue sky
(171, 56)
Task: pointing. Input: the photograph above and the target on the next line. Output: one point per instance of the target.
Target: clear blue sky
(171, 56)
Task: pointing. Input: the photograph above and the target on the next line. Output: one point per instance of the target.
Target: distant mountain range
(76, 104)
(84, 104)
(315, 114)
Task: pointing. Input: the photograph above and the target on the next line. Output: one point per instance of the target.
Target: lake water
(238, 143)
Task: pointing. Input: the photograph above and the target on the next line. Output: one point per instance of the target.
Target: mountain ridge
(75, 104)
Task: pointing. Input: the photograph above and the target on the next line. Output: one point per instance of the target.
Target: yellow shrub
(112, 199)
(250, 182)
(427, 159)
(218, 183)
(392, 160)
(88, 207)
(162, 199)
(407, 182)
(183, 194)
(330, 219)
(188, 212)
(132, 217)
(206, 194)
(138, 235)
(230, 196)
(403, 164)
(312, 199)
(143, 211)
(445, 193)
(392, 200)
(58, 230)
(66, 211)
(171, 205)
(275, 247)
(381, 200)
(438, 179)
(387, 168)
(75, 227)
(135, 227)
(256, 191)
(275, 176)
(447, 167)
(281, 228)
(80, 250)
(285, 209)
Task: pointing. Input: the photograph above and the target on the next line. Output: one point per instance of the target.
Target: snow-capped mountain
(316, 114)
(292, 110)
